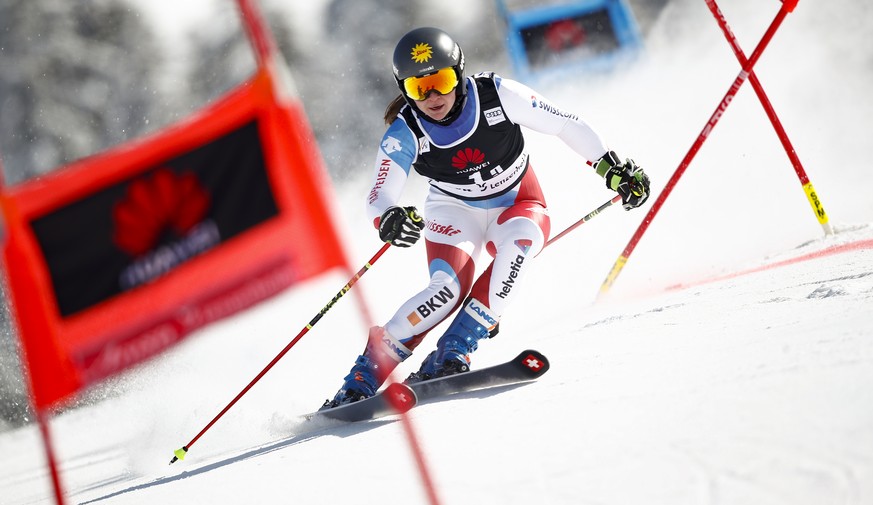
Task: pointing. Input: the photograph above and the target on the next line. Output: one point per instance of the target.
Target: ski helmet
(425, 52)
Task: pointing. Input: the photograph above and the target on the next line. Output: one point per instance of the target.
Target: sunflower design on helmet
(422, 52)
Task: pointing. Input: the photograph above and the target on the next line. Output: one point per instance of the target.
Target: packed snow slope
(748, 390)
(671, 389)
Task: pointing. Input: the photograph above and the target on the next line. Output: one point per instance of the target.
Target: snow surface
(753, 389)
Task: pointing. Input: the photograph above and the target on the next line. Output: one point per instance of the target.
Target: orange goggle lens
(443, 82)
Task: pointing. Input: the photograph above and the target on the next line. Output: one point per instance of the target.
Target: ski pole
(180, 453)
(588, 217)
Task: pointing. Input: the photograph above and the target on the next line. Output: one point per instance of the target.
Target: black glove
(400, 226)
(628, 180)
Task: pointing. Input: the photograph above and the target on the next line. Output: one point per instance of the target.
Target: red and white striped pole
(814, 200)
(787, 6)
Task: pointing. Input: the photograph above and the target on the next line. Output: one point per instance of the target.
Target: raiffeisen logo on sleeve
(381, 175)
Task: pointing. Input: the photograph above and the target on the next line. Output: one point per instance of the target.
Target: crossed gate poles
(747, 73)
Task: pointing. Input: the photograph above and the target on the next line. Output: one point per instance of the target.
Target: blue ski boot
(473, 322)
(382, 354)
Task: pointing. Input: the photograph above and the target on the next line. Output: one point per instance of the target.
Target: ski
(396, 398)
(527, 366)
(400, 397)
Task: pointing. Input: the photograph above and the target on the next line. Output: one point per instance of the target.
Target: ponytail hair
(393, 109)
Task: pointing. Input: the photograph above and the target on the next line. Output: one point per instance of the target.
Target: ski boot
(473, 323)
(382, 354)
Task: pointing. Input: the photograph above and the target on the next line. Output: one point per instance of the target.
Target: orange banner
(115, 258)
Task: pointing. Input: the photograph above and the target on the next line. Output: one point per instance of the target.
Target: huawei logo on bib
(466, 157)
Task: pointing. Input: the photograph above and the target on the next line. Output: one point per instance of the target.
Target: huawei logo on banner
(153, 206)
(466, 157)
(162, 223)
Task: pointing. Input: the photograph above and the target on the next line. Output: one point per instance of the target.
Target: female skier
(464, 135)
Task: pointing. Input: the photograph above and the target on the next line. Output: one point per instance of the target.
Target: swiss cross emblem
(400, 396)
(532, 362)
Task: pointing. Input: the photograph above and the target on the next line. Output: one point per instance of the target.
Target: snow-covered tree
(77, 78)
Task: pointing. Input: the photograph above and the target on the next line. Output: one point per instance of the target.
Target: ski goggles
(443, 82)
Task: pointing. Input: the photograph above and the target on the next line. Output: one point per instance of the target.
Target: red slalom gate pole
(786, 7)
(420, 462)
(180, 453)
(808, 188)
(51, 460)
